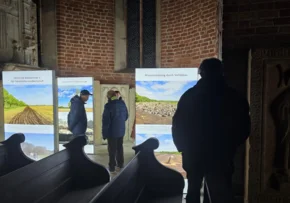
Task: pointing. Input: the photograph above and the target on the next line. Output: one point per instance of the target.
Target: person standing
(77, 116)
(211, 121)
(118, 94)
(114, 118)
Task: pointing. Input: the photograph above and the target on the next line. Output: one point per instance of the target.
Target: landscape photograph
(156, 101)
(166, 153)
(65, 93)
(28, 104)
(37, 145)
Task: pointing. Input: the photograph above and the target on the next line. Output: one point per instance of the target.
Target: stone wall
(85, 36)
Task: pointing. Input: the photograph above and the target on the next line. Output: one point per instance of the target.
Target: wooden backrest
(37, 179)
(125, 187)
(3, 158)
(11, 155)
(143, 172)
(53, 176)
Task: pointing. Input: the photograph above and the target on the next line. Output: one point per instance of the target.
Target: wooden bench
(67, 176)
(11, 155)
(144, 180)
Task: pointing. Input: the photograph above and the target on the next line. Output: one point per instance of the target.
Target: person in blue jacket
(115, 116)
(77, 116)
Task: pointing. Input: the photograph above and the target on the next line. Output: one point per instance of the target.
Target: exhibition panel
(157, 94)
(69, 87)
(28, 109)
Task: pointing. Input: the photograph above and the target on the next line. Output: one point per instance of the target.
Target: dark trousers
(116, 153)
(218, 180)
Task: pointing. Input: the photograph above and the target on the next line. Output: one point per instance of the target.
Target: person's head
(111, 94)
(85, 95)
(211, 68)
(118, 94)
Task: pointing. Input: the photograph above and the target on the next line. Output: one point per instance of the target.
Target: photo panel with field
(67, 89)
(28, 109)
(166, 153)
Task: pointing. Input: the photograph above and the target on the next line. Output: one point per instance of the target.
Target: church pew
(144, 180)
(11, 155)
(66, 176)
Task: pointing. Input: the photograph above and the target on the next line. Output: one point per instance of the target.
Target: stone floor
(101, 154)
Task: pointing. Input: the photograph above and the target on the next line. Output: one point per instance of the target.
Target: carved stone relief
(270, 114)
(280, 110)
(18, 32)
(124, 90)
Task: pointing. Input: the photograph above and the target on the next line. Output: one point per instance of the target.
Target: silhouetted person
(77, 117)
(211, 121)
(115, 116)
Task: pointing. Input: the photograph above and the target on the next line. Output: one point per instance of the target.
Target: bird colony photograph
(65, 93)
(156, 101)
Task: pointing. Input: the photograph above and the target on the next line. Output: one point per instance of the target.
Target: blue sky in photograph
(65, 93)
(37, 139)
(32, 94)
(163, 90)
(165, 141)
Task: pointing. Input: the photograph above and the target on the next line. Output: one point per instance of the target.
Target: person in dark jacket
(211, 121)
(115, 116)
(77, 117)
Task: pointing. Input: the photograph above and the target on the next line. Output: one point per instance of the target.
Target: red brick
(268, 14)
(260, 22)
(244, 24)
(267, 30)
(282, 21)
(261, 1)
(285, 13)
(282, 5)
(189, 32)
(248, 31)
(230, 8)
(86, 37)
(263, 6)
(285, 29)
(243, 8)
(86, 40)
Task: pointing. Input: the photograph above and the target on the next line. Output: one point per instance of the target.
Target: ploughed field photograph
(28, 105)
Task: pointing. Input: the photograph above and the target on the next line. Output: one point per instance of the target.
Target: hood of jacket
(76, 99)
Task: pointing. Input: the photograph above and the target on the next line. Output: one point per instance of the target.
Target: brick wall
(256, 23)
(85, 36)
(86, 40)
(189, 32)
